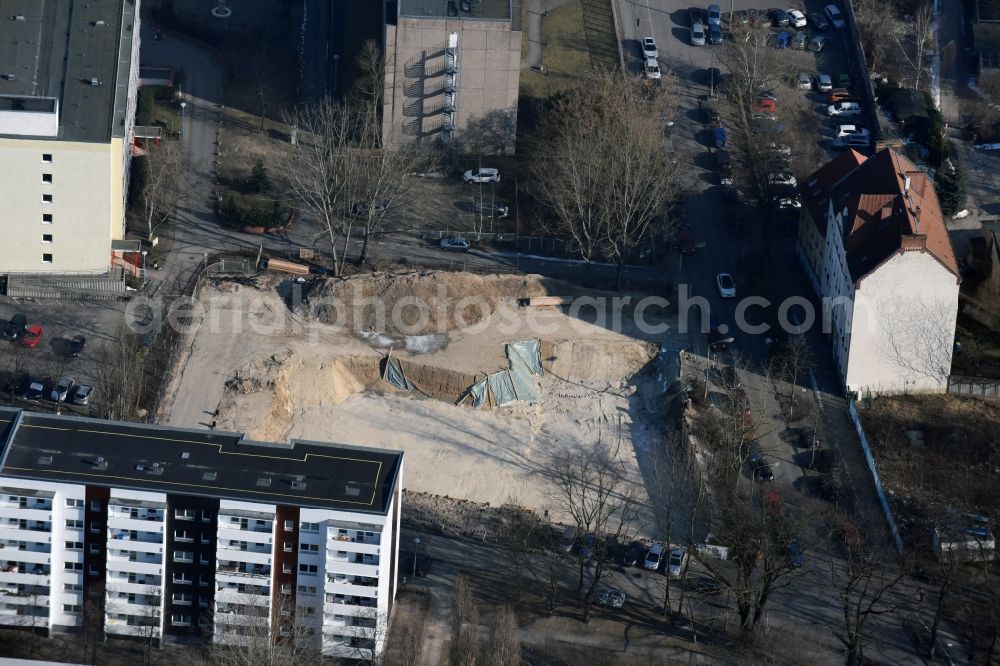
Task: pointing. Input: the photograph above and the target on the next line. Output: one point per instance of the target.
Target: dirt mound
(596, 360)
(437, 382)
(417, 303)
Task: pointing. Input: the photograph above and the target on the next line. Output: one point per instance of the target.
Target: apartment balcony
(356, 606)
(26, 598)
(226, 595)
(226, 522)
(237, 574)
(118, 585)
(116, 523)
(121, 565)
(351, 547)
(113, 625)
(340, 567)
(355, 536)
(227, 533)
(136, 546)
(138, 608)
(26, 556)
(41, 515)
(32, 503)
(244, 556)
(39, 576)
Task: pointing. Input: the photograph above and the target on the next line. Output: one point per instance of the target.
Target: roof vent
(352, 491)
(185, 455)
(906, 184)
(17, 17)
(100, 463)
(155, 468)
(44, 460)
(97, 24)
(95, 81)
(299, 482)
(209, 476)
(10, 76)
(264, 482)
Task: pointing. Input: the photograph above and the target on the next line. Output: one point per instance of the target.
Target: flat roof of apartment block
(206, 463)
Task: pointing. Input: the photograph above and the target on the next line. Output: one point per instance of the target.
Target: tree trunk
(364, 249)
(942, 594)
(618, 275)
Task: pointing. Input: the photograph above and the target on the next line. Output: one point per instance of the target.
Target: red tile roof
(816, 189)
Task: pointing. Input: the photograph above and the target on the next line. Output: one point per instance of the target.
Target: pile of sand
(589, 360)
(449, 301)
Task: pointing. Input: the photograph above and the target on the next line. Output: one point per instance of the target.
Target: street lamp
(336, 64)
(144, 253)
(416, 544)
(183, 105)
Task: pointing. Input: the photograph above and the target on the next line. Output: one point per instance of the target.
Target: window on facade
(46, 258)
(289, 525)
(183, 556)
(206, 516)
(72, 587)
(307, 589)
(74, 524)
(94, 571)
(95, 505)
(182, 578)
(71, 503)
(182, 598)
(203, 558)
(71, 608)
(286, 568)
(183, 514)
(74, 566)
(309, 547)
(47, 158)
(46, 177)
(288, 546)
(95, 528)
(95, 549)
(205, 537)
(74, 545)
(309, 527)
(308, 568)
(180, 620)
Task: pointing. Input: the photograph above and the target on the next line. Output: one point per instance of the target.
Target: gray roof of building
(206, 463)
(482, 10)
(55, 52)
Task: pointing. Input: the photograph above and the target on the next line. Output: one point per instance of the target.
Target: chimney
(906, 184)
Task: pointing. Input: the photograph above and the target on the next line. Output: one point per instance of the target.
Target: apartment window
(183, 556)
(289, 525)
(47, 158)
(203, 581)
(206, 516)
(288, 546)
(203, 558)
(95, 505)
(74, 524)
(180, 620)
(184, 514)
(46, 177)
(182, 578)
(95, 528)
(286, 588)
(309, 547)
(74, 566)
(182, 598)
(72, 587)
(74, 545)
(74, 503)
(308, 568)
(205, 538)
(95, 549)
(71, 608)
(307, 589)
(46, 258)
(183, 535)
(286, 568)
(309, 527)
(94, 570)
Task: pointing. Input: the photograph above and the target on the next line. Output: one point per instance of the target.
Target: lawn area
(564, 53)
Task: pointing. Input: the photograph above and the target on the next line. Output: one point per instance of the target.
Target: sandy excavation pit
(305, 379)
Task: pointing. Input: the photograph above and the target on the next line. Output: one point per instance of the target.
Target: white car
(697, 34)
(780, 149)
(454, 244)
(851, 142)
(649, 48)
(824, 83)
(82, 394)
(678, 560)
(652, 69)
(796, 18)
(789, 204)
(62, 389)
(654, 557)
(836, 18)
(726, 285)
(782, 179)
(851, 130)
(844, 109)
(805, 81)
(481, 175)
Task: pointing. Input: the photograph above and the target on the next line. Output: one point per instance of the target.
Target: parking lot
(61, 321)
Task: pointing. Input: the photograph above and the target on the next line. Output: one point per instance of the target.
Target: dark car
(76, 345)
(634, 554)
(730, 377)
(779, 17)
(818, 21)
(719, 336)
(589, 547)
(796, 557)
(713, 76)
(714, 34)
(34, 391)
(15, 327)
(761, 468)
(719, 137)
(712, 118)
(695, 15)
(610, 597)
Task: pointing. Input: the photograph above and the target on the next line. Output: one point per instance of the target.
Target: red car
(32, 336)
(764, 105)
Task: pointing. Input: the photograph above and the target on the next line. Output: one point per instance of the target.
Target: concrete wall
(87, 204)
(903, 330)
(489, 60)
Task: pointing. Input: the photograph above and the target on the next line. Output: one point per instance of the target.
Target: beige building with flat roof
(68, 79)
(452, 75)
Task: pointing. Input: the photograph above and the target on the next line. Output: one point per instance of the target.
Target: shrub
(259, 180)
(951, 189)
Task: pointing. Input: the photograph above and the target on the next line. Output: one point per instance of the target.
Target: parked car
(840, 95)
(360, 209)
(82, 394)
(32, 336)
(719, 137)
(652, 69)
(714, 34)
(818, 21)
(843, 142)
(796, 557)
(677, 563)
(725, 167)
(788, 203)
(481, 175)
(567, 540)
(726, 285)
(635, 552)
(15, 327)
(836, 17)
(697, 34)
(719, 335)
(649, 48)
(491, 209)
(800, 40)
(34, 391)
(712, 118)
(714, 15)
(796, 18)
(454, 244)
(804, 81)
(76, 345)
(761, 468)
(824, 83)
(843, 80)
(654, 557)
(779, 17)
(589, 547)
(818, 43)
(610, 597)
(764, 105)
(783, 40)
(730, 377)
(844, 109)
(851, 130)
(713, 78)
(782, 178)
(62, 389)
(695, 15)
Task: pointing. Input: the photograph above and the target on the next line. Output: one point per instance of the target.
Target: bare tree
(370, 85)
(872, 17)
(794, 358)
(917, 336)
(406, 636)
(464, 648)
(591, 485)
(163, 177)
(601, 167)
(921, 39)
(120, 378)
(268, 635)
(504, 647)
(522, 534)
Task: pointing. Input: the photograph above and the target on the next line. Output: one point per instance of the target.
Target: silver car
(62, 389)
(697, 34)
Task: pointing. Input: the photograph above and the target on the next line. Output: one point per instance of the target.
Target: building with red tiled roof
(873, 241)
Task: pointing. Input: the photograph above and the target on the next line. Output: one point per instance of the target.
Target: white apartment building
(69, 72)
(201, 534)
(873, 241)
